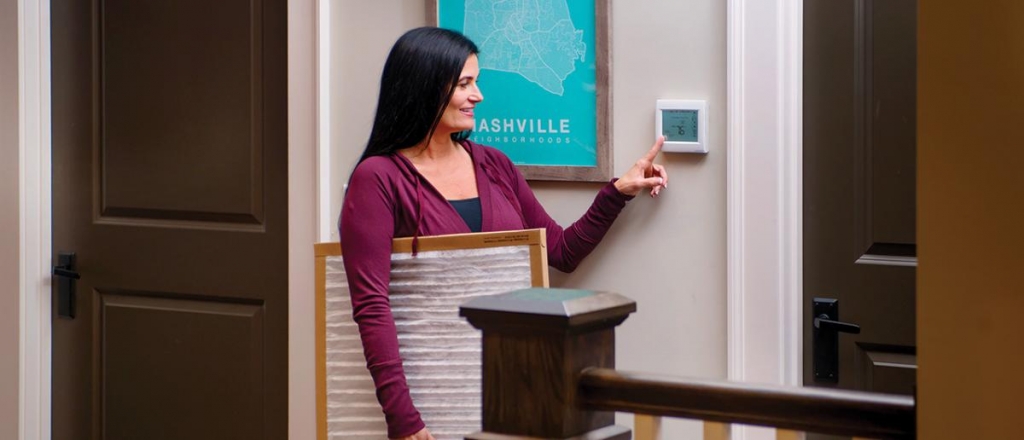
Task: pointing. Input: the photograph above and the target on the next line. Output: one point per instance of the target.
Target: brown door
(169, 185)
(859, 172)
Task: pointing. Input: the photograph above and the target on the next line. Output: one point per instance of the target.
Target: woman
(420, 176)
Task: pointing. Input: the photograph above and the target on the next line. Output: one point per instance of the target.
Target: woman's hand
(645, 174)
(422, 434)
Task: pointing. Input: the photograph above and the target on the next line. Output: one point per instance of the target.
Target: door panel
(885, 128)
(890, 75)
(859, 177)
(187, 71)
(170, 185)
(196, 360)
(885, 369)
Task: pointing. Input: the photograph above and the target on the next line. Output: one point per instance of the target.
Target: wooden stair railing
(817, 410)
(548, 373)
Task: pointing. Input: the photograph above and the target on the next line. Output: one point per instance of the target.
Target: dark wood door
(170, 185)
(859, 183)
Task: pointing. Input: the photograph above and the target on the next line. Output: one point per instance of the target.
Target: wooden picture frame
(432, 252)
(586, 156)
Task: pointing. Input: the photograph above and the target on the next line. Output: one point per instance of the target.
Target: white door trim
(764, 175)
(35, 217)
(324, 191)
(303, 216)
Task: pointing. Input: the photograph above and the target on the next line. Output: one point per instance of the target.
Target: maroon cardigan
(387, 198)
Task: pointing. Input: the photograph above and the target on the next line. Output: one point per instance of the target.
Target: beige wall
(667, 254)
(970, 215)
(9, 230)
(361, 36)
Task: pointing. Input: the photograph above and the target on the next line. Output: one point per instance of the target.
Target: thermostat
(684, 123)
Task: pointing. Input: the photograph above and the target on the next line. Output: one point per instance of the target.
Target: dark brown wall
(970, 217)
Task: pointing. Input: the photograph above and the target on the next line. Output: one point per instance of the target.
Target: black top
(469, 210)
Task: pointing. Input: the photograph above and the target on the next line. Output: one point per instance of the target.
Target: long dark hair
(419, 78)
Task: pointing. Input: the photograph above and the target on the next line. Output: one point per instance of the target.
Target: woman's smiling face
(458, 116)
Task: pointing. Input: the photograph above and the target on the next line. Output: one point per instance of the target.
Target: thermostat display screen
(679, 125)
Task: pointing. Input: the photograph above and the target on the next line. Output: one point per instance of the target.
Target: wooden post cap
(544, 309)
(535, 344)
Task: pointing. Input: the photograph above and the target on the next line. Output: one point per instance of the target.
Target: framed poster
(544, 72)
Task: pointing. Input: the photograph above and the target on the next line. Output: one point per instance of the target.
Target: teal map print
(538, 76)
(533, 38)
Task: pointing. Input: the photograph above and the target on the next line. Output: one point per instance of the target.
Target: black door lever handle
(64, 284)
(62, 272)
(823, 323)
(825, 338)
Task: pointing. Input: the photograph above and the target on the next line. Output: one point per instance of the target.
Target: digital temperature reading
(684, 123)
(679, 125)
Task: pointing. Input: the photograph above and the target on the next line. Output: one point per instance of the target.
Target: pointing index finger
(653, 152)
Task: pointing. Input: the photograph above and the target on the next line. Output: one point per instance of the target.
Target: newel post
(535, 343)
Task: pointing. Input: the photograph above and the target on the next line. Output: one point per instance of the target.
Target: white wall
(9, 217)
(667, 254)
